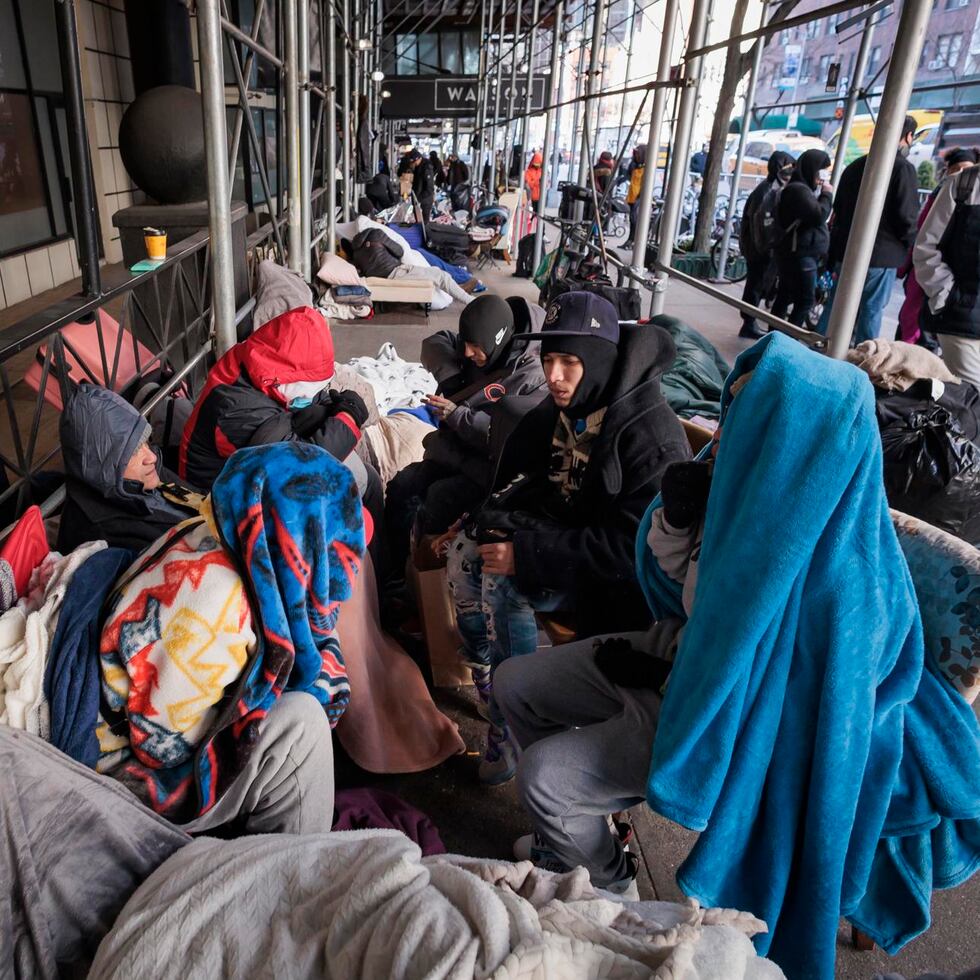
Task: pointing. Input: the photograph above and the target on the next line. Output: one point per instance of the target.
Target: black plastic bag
(932, 471)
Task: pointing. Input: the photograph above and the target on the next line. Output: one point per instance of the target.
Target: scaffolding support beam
(329, 22)
(305, 159)
(641, 231)
(345, 163)
(877, 173)
(548, 120)
(219, 194)
(295, 245)
(853, 93)
(687, 107)
(525, 124)
(592, 86)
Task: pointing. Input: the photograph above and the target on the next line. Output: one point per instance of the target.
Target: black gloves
(626, 667)
(684, 492)
(350, 402)
(306, 421)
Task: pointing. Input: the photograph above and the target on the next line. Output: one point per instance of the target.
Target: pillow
(278, 290)
(25, 549)
(335, 271)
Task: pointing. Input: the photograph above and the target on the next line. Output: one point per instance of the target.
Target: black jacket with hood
(591, 561)
(899, 216)
(462, 442)
(100, 432)
(802, 212)
(375, 253)
(751, 249)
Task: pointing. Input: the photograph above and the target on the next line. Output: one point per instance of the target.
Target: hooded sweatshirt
(462, 442)
(752, 249)
(802, 211)
(241, 404)
(100, 432)
(591, 560)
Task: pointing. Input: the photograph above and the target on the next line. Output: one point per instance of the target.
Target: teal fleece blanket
(799, 680)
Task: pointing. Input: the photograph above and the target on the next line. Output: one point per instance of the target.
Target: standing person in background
(802, 212)
(362, 143)
(423, 183)
(894, 238)
(759, 234)
(909, 317)
(457, 173)
(636, 169)
(438, 171)
(945, 257)
(532, 177)
(603, 172)
(699, 160)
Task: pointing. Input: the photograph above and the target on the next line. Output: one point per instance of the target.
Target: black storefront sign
(431, 97)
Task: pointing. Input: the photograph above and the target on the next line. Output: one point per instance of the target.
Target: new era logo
(596, 325)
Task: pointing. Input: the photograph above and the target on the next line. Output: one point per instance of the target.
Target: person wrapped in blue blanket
(829, 767)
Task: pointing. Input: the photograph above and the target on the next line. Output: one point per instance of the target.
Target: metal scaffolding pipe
(80, 159)
(305, 160)
(559, 29)
(877, 173)
(219, 195)
(294, 224)
(481, 87)
(345, 164)
(592, 84)
(853, 93)
(687, 107)
(496, 106)
(239, 35)
(330, 85)
(526, 122)
(548, 119)
(508, 141)
(726, 237)
(578, 103)
(641, 229)
(629, 61)
(242, 106)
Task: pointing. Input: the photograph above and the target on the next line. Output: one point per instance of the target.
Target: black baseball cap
(578, 314)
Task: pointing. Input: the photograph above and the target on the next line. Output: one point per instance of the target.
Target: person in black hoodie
(572, 479)
(895, 235)
(475, 369)
(802, 212)
(757, 237)
(423, 183)
(115, 491)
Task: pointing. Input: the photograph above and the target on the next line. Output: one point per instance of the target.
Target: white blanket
(364, 904)
(397, 383)
(26, 632)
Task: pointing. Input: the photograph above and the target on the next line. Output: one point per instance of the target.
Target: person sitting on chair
(572, 479)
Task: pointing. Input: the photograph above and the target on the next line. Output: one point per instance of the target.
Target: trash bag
(932, 471)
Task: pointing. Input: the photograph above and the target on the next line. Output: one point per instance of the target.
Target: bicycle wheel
(735, 268)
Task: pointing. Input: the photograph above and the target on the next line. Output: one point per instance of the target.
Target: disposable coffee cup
(156, 243)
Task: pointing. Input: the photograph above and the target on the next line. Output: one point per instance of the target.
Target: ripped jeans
(495, 619)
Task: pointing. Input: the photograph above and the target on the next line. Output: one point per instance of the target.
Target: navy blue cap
(580, 314)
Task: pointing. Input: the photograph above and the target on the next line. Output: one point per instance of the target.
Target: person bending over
(475, 368)
(116, 491)
(572, 479)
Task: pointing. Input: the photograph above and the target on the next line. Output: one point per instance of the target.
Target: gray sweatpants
(586, 746)
(286, 786)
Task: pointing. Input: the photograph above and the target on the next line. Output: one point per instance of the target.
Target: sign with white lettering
(420, 97)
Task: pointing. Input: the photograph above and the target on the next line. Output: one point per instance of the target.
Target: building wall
(107, 84)
(821, 46)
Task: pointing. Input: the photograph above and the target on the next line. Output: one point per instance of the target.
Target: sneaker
(480, 287)
(484, 689)
(499, 763)
(625, 889)
(531, 848)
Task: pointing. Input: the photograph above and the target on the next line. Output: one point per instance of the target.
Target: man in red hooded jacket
(271, 387)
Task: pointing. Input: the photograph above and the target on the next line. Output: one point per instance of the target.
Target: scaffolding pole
(219, 195)
(294, 218)
(508, 140)
(525, 125)
(641, 230)
(592, 85)
(496, 105)
(330, 87)
(481, 87)
(577, 101)
(556, 96)
(548, 119)
(626, 77)
(726, 237)
(305, 161)
(877, 173)
(82, 192)
(345, 163)
(853, 94)
(674, 197)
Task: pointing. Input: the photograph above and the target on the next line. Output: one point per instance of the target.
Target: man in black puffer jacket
(374, 253)
(804, 206)
(573, 477)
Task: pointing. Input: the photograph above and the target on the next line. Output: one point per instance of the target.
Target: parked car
(863, 127)
(762, 143)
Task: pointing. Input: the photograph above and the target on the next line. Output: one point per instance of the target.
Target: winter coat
(532, 178)
(602, 172)
(896, 232)
(423, 182)
(100, 432)
(462, 442)
(365, 155)
(240, 406)
(803, 213)
(381, 192)
(945, 257)
(591, 561)
(751, 249)
(375, 253)
(459, 173)
(636, 184)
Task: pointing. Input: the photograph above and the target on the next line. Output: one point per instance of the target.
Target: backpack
(525, 257)
(766, 230)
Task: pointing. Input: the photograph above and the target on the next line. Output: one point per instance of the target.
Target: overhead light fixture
(377, 76)
(385, 94)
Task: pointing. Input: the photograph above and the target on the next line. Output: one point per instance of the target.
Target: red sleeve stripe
(350, 423)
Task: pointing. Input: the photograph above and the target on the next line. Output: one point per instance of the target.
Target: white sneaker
(499, 763)
(531, 848)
